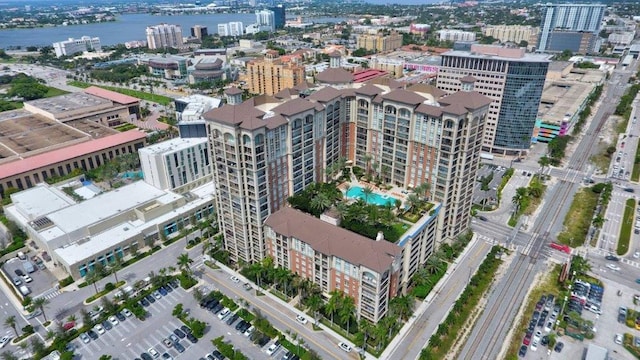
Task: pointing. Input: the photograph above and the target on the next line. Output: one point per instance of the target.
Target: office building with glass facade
(513, 79)
(566, 26)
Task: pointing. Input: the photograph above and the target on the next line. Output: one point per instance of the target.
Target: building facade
(164, 36)
(177, 162)
(456, 35)
(562, 25)
(279, 15)
(513, 33)
(513, 79)
(199, 31)
(233, 28)
(270, 75)
(73, 46)
(380, 42)
(268, 148)
(265, 19)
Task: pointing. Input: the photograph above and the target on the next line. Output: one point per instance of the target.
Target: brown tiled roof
(404, 96)
(455, 109)
(427, 89)
(386, 81)
(471, 100)
(335, 76)
(325, 94)
(377, 99)
(429, 110)
(275, 121)
(287, 93)
(233, 91)
(348, 92)
(468, 78)
(332, 240)
(293, 106)
(303, 86)
(233, 114)
(370, 90)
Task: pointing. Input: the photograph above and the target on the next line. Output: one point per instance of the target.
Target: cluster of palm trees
(100, 271)
(524, 195)
(37, 346)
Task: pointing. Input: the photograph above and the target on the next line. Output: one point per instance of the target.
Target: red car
(527, 339)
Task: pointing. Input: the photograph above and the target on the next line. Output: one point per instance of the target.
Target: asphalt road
(556, 204)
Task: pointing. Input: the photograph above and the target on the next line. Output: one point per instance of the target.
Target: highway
(487, 338)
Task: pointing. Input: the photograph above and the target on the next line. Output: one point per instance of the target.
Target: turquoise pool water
(132, 175)
(374, 198)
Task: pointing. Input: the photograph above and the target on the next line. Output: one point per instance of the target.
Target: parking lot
(132, 337)
(42, 280)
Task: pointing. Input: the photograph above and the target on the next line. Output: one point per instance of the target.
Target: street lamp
(562, 311)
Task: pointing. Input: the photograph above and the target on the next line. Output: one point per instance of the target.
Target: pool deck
(395, 192)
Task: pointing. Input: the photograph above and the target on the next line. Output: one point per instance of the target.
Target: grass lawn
(635, 174)
(578, 219)
(55, 92)
(160, 99)
(627, 224)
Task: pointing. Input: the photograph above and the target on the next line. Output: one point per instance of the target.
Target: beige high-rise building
(513, 33)
(164, 36)
(379, 42)
(270, 75)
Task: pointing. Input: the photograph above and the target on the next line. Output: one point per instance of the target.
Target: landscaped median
(458, 319)
(108, 287)
(627, 225)
(581, 214)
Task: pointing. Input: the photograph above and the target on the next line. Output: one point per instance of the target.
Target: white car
(235, 279)
(85, 338)
(618, 339)
(534, 345)
(301, 319)
(537, 336)
(127, 312)
(273, 348)
(113, 320)
(99, 329)
(613, 267)
(249, 331)
(223, 313)
(636, 255)
(548, 326)
(344, 346)
(153, 352)
(27, 278)
(5, 339)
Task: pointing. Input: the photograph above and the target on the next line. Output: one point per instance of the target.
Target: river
(128, 27)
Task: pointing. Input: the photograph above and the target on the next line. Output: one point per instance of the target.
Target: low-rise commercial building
(380, 42)
(189, 112)
(73, 46)
(80, 235)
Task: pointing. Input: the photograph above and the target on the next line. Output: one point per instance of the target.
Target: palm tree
(11, 322)
(367, 329)
(115, 266)
(40, 303)
(50, 335)
(183, 262)
(544, 162)
(92, 277)
(72, 318)
(367, 191)
(401, 307)
(333, 303)
(320, 202)
(315, 304)
(367, 160)
(347, 308)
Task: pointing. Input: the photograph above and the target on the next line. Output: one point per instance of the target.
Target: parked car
(301, 319)
(179, 333)
(618, 339)
(273, 348)
(559, 347)
(523, 351)
(612, 258)
(85, 338)
(344, 346)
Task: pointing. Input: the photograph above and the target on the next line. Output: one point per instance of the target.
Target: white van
(22, 256)
(24, 290)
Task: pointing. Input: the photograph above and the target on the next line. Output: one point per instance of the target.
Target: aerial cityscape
(311, 179)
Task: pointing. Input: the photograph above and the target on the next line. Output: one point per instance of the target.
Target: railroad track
(515, 280)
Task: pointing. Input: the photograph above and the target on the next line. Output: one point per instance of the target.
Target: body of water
(127, 28)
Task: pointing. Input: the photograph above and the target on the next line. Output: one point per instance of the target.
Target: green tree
(115, 266)
(315, 304)
(334, 303)
(401, 307)
(184, 262)
(41, 303)
(367, 191)
(10, 321)
(8, 356)
(346, 310)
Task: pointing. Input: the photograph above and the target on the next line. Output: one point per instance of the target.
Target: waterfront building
(199, 31)
(572, 27)
(279, 16)
(265, 20)
(73, 46)
(164, 36)
(270, 75)
(513, 79)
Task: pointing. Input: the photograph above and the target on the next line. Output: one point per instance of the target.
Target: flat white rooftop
(173, 145)
(39, 201)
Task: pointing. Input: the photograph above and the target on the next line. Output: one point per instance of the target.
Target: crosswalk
(49, 294)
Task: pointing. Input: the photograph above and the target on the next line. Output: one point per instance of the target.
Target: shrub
(109, 286)
(66, 281)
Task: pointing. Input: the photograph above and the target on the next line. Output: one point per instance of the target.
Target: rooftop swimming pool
(356, 192)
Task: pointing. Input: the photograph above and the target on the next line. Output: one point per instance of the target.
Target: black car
(212, 304)
(107, 325)
(558, 347)
(92, 334)
(19, 272)
(192, 338)
(240, 324)
(232, 318)
(150, 298)
(612, 258)
(146, 356)
(120, 316)
(523, 351)
(216, 309)
(179, 347)
(174, 283)
(264, 340)
(185, 329)
(544, 341)
(217, 354)
(205, 301)
(144, 302)
(245, 326)
(179, 333)
(168, 288)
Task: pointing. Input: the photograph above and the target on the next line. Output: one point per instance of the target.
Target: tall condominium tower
(279, 15)
(565, 26)
(270, 75)
(514, 81)
(265, 19)
(270, 147)
(164, 36)
(199, 31)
